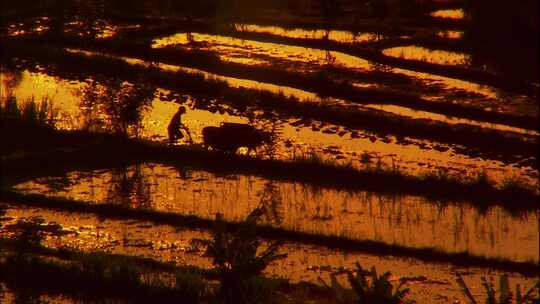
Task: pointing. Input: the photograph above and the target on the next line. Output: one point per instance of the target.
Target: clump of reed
(29, 112)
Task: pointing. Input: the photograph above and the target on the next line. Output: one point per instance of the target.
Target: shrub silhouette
(505, 295)
(369, 287)
(238, 259)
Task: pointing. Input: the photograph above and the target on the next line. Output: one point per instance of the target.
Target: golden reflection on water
(235, 50)
(89, 233)
(306, 96)
(449, 14)
(303, 262)
(415, 158)
(408, 112)
(412, 52)
(40, 87)
(402, 220)
(318, 34)
(231, 81)
(37, 26)
(450, 34)
(301, 58)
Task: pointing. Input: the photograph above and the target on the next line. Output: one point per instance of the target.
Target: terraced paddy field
(143, 145)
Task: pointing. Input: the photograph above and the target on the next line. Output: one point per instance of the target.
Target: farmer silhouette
(176, 125)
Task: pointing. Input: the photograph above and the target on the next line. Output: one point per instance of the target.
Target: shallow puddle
(429, 282)
(412, 52)
(408, 221)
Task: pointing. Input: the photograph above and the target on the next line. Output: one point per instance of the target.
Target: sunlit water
(330, 141)
(303, 262)
(450, 34)
(298, 58)
(42, 25)
(407, 112)
(305, 96)
(456, 14)
(412, 52)
(315, 34)
(408, 221)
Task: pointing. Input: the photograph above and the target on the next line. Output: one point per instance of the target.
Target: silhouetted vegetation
(238, 260)
(122, 103)
(28, 113)
(368, 120)
(369, 287)
(273, 233)
(505, 295)
(93, 44)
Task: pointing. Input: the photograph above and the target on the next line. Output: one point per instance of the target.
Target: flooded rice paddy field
(429, 282)
(403, 222)
(307, 96)
(408, 221)
(432, 87)
(296, 137)
(41, 25)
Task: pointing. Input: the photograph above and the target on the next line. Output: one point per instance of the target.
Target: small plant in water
(238, 260)
(505, 294)
(371, 288)
(30, 112)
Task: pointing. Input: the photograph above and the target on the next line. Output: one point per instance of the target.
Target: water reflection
(60, 25)
(296, 58)
(303, 262)
(316, 34)
(413, 52)
(108, 103)
(447, 119)
(402, 220)
(456, 14)
(254, 52)
(506, 102)
(129, 187)
(294, 136)
(450, 34)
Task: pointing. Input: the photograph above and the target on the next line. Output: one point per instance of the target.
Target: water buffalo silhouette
(228, 137)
